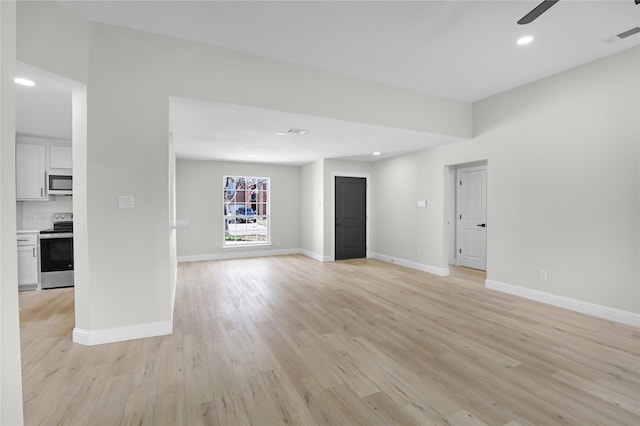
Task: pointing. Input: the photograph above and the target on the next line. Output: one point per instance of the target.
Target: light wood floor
(288, 340)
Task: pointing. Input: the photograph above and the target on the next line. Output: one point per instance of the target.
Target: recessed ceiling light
(24, 81)
(252, 155)
(376, 153)
(280, 133)
(524, 40)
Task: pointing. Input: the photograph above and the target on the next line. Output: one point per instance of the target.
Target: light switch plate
(422, 203)
(125, 202)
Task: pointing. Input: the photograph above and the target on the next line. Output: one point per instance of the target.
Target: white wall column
(10, 364)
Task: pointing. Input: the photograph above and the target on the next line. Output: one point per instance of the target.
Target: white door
(471, 189)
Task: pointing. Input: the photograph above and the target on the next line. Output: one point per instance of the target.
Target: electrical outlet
(34, 219)
(543, 275)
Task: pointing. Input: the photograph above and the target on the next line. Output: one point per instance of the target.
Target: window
(246, 211)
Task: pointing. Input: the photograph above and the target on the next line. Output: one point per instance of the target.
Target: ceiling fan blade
(537, 11)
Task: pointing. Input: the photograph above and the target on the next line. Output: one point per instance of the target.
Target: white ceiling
(210, 130)
(462, 50)
(43, 109)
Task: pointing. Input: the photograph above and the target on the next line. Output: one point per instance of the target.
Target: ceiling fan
(542, 8)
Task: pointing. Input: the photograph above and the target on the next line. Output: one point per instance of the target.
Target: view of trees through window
(246, 210)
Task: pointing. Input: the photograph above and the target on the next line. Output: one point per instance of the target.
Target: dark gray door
(351, 218)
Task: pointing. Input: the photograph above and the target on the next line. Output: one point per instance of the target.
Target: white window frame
(227, 206)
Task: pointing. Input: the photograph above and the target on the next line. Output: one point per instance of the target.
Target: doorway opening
(44, 178)
(467, 215)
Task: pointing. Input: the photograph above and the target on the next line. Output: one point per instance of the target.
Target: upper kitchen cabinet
(60, 157)
(30, 172)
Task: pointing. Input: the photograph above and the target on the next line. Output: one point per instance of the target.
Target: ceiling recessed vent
(297, 131)
(629, 33)
(622, 36)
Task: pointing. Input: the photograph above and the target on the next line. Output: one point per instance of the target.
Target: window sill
(239, 246)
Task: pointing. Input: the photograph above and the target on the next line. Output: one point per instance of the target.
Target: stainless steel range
(56, 253)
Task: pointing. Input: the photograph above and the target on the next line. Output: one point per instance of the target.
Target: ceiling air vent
(297, 131)
(622, 35)
(629, 33)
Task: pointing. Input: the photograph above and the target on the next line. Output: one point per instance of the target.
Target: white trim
(247, 254)
(450, 228)
(120, 334)
(268, 215)
(367, 178)
(245, 246)
(588, 308)
(315, 256)
(451, 190)
(458, 223)
(441, 272)
(237, 255)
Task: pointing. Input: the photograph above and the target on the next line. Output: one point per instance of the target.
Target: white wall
(10, 369)
(43, 211)
(563, 182)
(53, 38)
(199, 195)
(403, 230)
(563, 186)
(81, 275)
(312, 209)
(302, 204)
(173, 242)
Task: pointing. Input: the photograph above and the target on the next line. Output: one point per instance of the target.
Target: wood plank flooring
(292, 341)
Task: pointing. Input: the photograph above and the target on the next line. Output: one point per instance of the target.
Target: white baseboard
(441, 272)
(247, 254)
(611, 314)
(315, 256)
(120, 334)
(233, 254)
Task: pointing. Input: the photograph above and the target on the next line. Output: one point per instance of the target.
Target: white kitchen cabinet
(60, 157)
(30, 172)
(28, 265)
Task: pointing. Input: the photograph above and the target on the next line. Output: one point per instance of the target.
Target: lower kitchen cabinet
(28, 265)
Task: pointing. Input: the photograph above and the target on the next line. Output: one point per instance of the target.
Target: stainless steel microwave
(59, 182)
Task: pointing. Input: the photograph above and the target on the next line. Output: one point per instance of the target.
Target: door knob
(484, 225)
